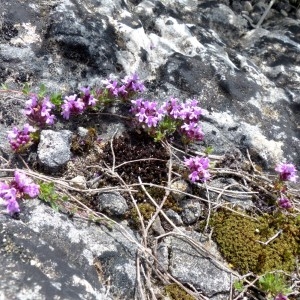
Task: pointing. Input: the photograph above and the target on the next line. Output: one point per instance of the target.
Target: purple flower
(112, 87)
(133, 84)
(284, 203)
(286, 172)
(17, 188)
(72, 106)
(172, 108)
(198, 168)
(146, 112)
(18, 139)
(38, 111)
(190, 112)
(25, 185)
(10, 196)
(192, 131)
(281, 297)
(87, 98)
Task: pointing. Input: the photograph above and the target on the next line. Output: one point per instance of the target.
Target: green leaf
(42, 91)
(26, 89)
(56, 99)
(4, 87)
(238, 285)
(208, 150)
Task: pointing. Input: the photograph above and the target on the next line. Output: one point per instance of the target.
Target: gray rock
(247, 6)
(190, 266)
(181, 186)
(174, 216)
(64, 259)
(112, 203)
(191, 211)
(157, 227)
(54, 148)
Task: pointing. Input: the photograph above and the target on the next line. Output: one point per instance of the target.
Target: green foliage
(166, 127)
(26, 89)
(49, 195)
(208, 150)
(4, 87)
(175, 292)
(273, 284)
(56, 99)
(42, 91)
(239, 239)
(238, 285)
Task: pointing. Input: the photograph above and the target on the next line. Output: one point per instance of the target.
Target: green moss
(174, 291)
(158, 194)
(147, 210)
(238, 236)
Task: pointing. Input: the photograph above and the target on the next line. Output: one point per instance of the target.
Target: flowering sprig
(131, 85)
(20, 187)
(74, 105)
(281, 297)
(38, 111)
(287, 172)
(198, 168)
(146, 112)
(20, 139)
(171, 116)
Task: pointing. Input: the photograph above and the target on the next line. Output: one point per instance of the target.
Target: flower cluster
(131, 84)
(20, 139)
(20, 187)
(287, 172)
(198, 167)
(281, 297)
(182, 116)
(38, 111)
(146, 112)
(284, 203)
(74, 105)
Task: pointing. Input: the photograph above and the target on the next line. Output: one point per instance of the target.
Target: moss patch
(146, 210)
(175, 292)
(237, 238)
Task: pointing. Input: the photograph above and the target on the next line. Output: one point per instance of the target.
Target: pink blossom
(198, 167)
(20, 138)
(284, 203)
(287, 172)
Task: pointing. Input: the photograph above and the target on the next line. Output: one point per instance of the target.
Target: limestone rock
(54, 148)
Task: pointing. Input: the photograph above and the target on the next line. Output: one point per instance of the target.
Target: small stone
(112, 203)
(283, 12)
(157, 228)
(174, 217)
(248, 6)
(179, 185)
(54, 148)
(82, 132)
(191, 211)
(78, 182)
(298, 14)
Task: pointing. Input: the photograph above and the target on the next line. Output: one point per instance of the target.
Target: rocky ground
(122, 219)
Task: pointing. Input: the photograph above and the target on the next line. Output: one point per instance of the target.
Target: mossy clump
(147, 210)
(174, 291)
(239, 239)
